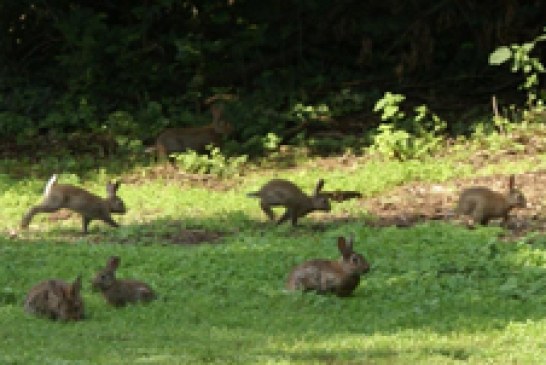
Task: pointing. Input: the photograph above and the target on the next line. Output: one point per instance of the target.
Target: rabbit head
(71, 303)
(515, 197)
(115, 202)
(352, 262)
(320, 201)
(106, 278)
(220, 125)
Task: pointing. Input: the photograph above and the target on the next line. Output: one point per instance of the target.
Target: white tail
(50, 183)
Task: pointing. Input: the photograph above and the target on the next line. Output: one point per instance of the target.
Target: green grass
(437, 293)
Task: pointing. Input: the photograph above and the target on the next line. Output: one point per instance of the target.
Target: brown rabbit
(194, 138)
(483, 204)
(278, 192)
(120, 292)
(56, 300)
(90, 206)
(329, 276)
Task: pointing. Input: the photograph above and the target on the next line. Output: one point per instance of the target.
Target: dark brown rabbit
(56, 300)
(120, 292)
(483, 204)
(328, 276)
(194, 138)
(90, 206)
(278, 192)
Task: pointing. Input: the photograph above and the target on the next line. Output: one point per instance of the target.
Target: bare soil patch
(417, 202)
(174, 233)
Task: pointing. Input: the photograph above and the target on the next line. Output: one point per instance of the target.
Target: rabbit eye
(355, 260)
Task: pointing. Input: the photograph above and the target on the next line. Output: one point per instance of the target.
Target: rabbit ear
(512, 182)
(112, 187)
(343, 248)
(76, 286)
(216, 111)
(319, 186)
(351, 241)
(113, 262)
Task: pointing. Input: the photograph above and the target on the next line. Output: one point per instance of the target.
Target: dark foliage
(68, 65)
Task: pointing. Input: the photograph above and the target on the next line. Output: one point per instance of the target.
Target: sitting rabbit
(483, 204)
(56, 300)
(90, 206)
(120, 292)
(278, 192)
(328, 276)
(193, 138)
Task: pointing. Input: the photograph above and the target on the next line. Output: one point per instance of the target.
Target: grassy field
(437, 293)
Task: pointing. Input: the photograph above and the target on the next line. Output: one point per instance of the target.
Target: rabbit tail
(49, 184)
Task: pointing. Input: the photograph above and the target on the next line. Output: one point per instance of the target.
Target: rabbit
(120, 292)
(90, 206)
(329, 276)
(483, 204)
(278, 192)
(56, 300)
(194, 138)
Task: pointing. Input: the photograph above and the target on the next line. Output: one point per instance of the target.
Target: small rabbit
(56, 300)
(194, 138)
(483, 204)
(90, 206)
(278, 192)
(120, 292)
(329, 276)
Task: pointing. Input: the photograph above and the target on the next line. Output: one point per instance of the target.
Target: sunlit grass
(437, 293)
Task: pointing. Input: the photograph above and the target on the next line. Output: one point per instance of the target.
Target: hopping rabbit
(329, 276)
(278, 192)
(120, 292)
(194, 138)
(483, 204)
(56, 300)
(90, 206)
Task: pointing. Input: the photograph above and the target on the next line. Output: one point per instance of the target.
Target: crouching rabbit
(55, 299)
(339, 277)
(119, 292)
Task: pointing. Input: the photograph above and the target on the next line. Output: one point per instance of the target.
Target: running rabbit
(56, 300)
(278, 192)
(483, 204)
(120, 292)
(90, 206)
(194, 138)
(328, 276)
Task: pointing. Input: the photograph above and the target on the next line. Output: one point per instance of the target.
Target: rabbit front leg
(108, 219)
(478, 215)
(267, 210)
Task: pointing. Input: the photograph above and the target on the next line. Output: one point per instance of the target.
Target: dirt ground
(417, 202)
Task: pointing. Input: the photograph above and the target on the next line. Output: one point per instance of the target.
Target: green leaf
(499, 56)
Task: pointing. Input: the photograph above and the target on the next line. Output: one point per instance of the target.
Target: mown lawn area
(437, 293)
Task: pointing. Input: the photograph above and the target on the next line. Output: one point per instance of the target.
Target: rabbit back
(280, 192)
(76, 199)
(482, 204)
(318, 275)
(126, 291)
(323, 276)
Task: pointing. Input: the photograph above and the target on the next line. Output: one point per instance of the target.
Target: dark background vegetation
(88, 72)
